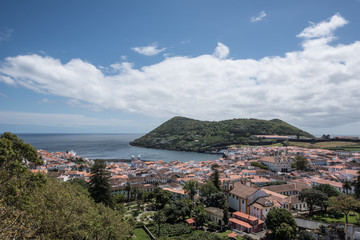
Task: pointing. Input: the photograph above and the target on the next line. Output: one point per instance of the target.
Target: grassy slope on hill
(184, 134)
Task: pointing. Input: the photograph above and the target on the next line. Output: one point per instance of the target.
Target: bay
(108, 146)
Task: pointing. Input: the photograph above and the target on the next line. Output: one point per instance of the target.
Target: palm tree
(200, 215)
(347, 186)
(190, 188)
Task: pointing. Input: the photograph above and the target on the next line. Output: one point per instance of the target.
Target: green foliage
(35, 207)
(301, 162)
(191, 187)
(159, 218)
(141, 234)
(215, 200)
(275, 183)
(226, 214)
(277, 218)
(215, 179)
(260, 165)
(357, 186)
(305, 235)
(80, 182)
(171, 230)
(65, 211)
(345, 204)
(285, 232)
(329, 190)
(312, 197)
(99, 185)
(176, 211)
(162, 197)
(196, 235)
(200, 215)
(186, 134)
(208, 189)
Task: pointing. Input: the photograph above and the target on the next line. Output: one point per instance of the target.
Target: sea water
(108, 146)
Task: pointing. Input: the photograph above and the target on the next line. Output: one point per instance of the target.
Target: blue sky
(128, 66)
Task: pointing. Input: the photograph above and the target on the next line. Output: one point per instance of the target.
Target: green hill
(185, 134)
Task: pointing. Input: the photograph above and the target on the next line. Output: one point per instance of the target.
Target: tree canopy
(312, 197)
(99, 185)
(33, 206)
(282, 224)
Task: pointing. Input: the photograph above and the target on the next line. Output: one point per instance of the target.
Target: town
(254, 180)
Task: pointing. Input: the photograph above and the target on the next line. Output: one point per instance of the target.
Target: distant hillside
(185, 134)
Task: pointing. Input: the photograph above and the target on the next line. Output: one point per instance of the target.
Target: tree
(200, 215)
(128, 191)
(226, 214)
(347, 186)
(65, 211)
(301, 162)
(140, 196)
(99, 185)
(312, 197)
(305, 235)
(162, 197)
(80, 182)
(329, 190)
(208, 189)
(215, 177)
(285, 232)
(357, 186)
(345, 203)
(281, 222)
(190, 188)
(159, 218)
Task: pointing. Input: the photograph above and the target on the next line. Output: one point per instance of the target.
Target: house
(246, 223)
(191, 222)
(278, 163)
(287, 189)
(252, 201)
(215, 215)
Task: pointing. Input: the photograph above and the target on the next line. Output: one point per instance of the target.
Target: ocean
(108, 146)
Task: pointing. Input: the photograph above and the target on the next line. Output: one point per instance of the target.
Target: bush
(335, 213)
(171, 230)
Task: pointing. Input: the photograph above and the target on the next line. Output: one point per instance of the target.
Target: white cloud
(150, 50)
(258, 17)
(221, 51)
(315, 87)
(323, 29)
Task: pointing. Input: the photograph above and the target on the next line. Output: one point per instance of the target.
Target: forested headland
(185, 134)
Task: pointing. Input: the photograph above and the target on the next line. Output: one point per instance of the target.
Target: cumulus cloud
(258, 17)
(221, 51)
(315, 87)
(150, 50)
(323, 29)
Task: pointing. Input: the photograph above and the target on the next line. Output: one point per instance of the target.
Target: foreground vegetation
(33, 206)
(186, 134)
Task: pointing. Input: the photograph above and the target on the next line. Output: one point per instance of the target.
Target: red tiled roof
(232, 235)
(245, 216)
(190, 220)
(241, 223)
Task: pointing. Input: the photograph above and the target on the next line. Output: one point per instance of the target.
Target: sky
(127, 66)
